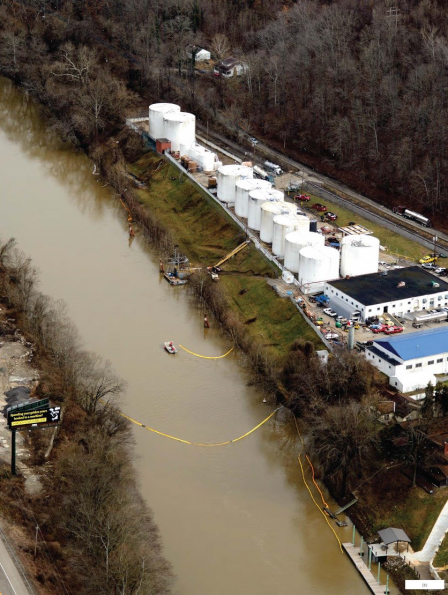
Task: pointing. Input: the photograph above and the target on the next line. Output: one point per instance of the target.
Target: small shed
(162, 145)
(389, 536)
(200, 53)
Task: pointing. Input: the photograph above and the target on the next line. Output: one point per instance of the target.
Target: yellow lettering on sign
(35, 420)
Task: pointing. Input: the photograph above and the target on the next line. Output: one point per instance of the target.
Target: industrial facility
(400, 292)
(411, 361)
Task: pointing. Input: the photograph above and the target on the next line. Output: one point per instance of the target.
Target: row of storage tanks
(166, 120)
(304, 251)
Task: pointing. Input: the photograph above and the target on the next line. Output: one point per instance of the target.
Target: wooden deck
(363, 569)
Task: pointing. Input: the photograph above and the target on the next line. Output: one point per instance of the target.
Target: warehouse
(411, 361)
(399, 291)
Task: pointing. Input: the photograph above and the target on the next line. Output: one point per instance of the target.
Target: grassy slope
(442, 555)
(395, 243)
(206, 234)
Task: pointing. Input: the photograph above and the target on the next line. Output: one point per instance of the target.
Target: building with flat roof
(399, 291)
(411, 361)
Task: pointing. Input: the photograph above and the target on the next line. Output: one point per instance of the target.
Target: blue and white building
(411, 361)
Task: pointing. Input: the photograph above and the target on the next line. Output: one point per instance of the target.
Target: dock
(372, 583)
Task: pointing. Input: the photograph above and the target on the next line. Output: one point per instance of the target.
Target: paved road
(390, 220)
(11, 581)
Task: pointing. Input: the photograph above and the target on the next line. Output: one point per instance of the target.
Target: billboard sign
(23, 418)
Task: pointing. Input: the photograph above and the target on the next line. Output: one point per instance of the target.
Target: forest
(355, 88)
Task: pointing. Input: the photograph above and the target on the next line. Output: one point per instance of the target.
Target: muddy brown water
(236, 519)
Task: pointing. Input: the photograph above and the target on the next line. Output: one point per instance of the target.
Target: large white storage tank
(256, 200)
(297, 240)
(156, 113)
(359, 255)
(284, 224)
(228, 176)
(268, 212)
(242, 189)
(318, 264)
(180, 129)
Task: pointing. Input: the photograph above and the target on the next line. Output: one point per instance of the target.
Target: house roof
(376, 288)
(229, 63)
(416, 345)
(386, 356)
(391, 535)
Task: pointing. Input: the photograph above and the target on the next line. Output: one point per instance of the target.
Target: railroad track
(368, 208)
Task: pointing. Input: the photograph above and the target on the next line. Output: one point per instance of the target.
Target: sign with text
(19, 419)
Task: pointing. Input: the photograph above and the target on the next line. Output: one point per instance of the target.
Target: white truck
(273, 167)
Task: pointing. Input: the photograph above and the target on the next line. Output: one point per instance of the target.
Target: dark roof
(376, 288)
(391, 535)
(229, 63)
(389, 359)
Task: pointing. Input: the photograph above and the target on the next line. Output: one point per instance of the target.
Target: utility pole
(35, 542)
(393, 13)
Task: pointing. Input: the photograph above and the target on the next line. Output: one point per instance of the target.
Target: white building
(201, 54)
(411, 361)
(229, 67)
(400, 292)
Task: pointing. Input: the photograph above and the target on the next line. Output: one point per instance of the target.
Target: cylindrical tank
(297, 240)
(359, 255)
(202, 156)
(270, 210)
(318, 264)
(228, 176)
(180, 129)
(242, 189)
(256, 199)
(156, 113)
(313, 225)
(284, 224)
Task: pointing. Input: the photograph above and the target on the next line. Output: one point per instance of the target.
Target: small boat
(170, 347)
(173, 280)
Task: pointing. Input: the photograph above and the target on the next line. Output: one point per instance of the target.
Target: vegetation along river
(235, 519)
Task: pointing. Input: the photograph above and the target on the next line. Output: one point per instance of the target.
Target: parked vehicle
(379, 328)
(318, 207)
(325, 229)
(330, 312)
(429, 266)
(382, 263)
(428, 258)
(440, 271)
(302, 197)
(331, 336)
(392, 330)
(273, 167)
(407, 214)
(253, 141)
(417, 324)
(299, 212)
(331, 216)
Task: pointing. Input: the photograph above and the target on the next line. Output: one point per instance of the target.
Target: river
(236, 519)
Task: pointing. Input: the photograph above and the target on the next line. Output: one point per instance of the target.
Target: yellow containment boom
(240, 247)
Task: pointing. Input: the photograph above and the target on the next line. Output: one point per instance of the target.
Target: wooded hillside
(354, 86)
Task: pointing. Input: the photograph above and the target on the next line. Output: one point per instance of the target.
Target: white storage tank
(256, 199)
(318, 264)
(242, 189)
(228, 176)
(156, 114)
(268, 212)
(297, 240)
(359, 255)
(203, 157)
(284, 224)
(180, 129)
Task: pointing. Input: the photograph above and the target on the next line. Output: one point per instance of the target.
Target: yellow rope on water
(137, 423)
(206, 356)
(317, 505)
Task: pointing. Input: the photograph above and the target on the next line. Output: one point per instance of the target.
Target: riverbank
(70, 480)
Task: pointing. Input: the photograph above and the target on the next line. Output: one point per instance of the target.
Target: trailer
(261, 173)
(408, 214)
